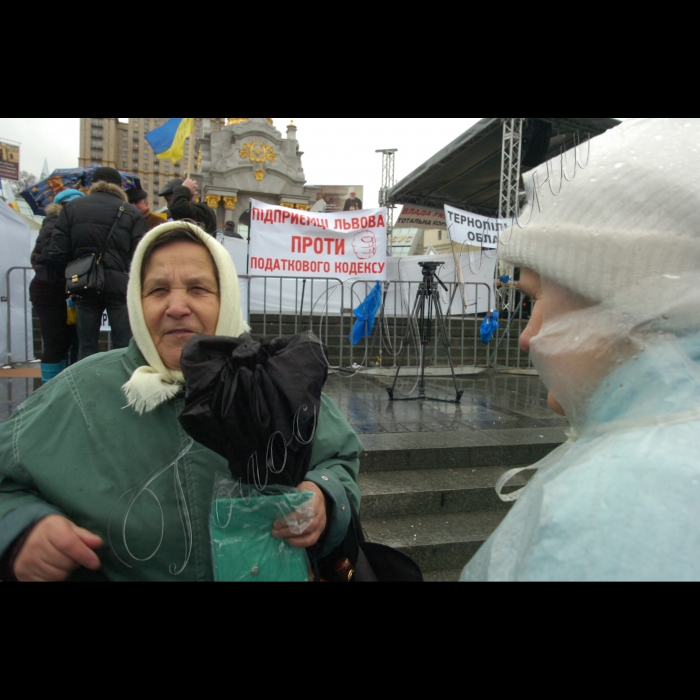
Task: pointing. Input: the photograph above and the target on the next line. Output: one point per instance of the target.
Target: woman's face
(180, 298)
(553, 336)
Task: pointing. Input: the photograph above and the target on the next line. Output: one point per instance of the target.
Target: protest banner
(466, 228)
(423, 218)
(9, 161)
(343, 245)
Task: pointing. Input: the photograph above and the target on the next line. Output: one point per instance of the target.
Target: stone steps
(432, 495)
(458, 449)
(432, 492)
(438, 543)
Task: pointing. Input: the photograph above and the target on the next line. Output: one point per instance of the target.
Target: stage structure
(482, 172)
(388, 181)
(510, 168)
(470, 172)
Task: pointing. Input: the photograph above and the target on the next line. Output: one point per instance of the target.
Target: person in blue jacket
(612, 264)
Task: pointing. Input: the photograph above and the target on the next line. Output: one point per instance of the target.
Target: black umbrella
(256, 403)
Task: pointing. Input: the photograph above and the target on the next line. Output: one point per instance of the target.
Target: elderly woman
(73, 455)
(612, 265)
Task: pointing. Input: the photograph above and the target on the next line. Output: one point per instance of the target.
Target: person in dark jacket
(47, 293)
(139, 198)
(83, 229)
(180, 196)
(230, 230)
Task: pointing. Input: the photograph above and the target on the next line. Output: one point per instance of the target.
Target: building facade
(122, 145)
(249, 158)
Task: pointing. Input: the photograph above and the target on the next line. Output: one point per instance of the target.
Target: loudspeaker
(536, 136)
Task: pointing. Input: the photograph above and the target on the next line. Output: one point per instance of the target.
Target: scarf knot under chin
(148, 389)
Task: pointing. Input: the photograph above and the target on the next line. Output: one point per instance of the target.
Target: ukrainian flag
(168, 141)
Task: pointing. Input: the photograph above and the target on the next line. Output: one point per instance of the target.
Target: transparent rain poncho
(618, 249)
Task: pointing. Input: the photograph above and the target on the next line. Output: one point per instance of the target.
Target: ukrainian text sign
(466, 228)
(291, 243)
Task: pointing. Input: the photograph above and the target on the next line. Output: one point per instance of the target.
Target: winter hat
(151, 386)
(136, 194)
(627, 225)
(67, 196)
(170, 187)
(109, 175)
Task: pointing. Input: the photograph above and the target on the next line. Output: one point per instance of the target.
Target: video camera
(430, 268)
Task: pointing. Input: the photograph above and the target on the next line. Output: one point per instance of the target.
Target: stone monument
(249, 159)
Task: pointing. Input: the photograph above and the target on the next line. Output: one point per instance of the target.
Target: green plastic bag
(244, 549)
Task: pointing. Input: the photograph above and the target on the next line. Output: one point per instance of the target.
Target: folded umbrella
(256, 403)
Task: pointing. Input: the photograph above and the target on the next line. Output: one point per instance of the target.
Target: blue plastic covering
(619, 501)
(489, 327)
(40, 195)
(366, 313)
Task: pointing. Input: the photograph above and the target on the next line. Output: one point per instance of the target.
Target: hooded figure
(155, 383)
(611, 256)
(98, 480)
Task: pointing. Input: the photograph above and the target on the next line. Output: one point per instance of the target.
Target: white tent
(16, 244)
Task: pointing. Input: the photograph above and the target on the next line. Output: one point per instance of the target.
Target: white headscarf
(155, 384)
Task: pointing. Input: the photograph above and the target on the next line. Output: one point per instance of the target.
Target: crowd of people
(109, 224)
(611, 263)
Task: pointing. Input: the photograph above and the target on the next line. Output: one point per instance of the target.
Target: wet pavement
(491, 401)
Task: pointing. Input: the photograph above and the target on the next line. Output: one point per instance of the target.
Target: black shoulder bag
(359, 561)
(86, 274)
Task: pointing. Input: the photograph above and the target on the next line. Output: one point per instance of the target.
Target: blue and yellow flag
(168, 141)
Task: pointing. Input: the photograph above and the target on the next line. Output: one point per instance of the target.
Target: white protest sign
(342, 245)
(466, 228)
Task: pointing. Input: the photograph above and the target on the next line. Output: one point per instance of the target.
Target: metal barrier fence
(285, 306)
(281, 306)
(25, 307)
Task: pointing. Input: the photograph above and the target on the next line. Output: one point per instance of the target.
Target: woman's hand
(55, 548)
(314, 532)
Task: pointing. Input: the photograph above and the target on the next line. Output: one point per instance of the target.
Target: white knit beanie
(151, 386)
(628, 224)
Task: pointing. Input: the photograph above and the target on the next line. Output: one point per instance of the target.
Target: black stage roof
(467, 173)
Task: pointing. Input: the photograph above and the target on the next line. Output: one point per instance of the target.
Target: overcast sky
(337, 151)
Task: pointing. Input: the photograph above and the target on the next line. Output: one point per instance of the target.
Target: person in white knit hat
(612, 261)
(98, 480)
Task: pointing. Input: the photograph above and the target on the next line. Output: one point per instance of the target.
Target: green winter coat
(73, 449)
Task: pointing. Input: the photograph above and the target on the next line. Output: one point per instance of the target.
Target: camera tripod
(428, 296)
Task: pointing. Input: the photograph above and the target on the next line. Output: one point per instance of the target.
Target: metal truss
(510, 167)
(509, 207)
(388, 181)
